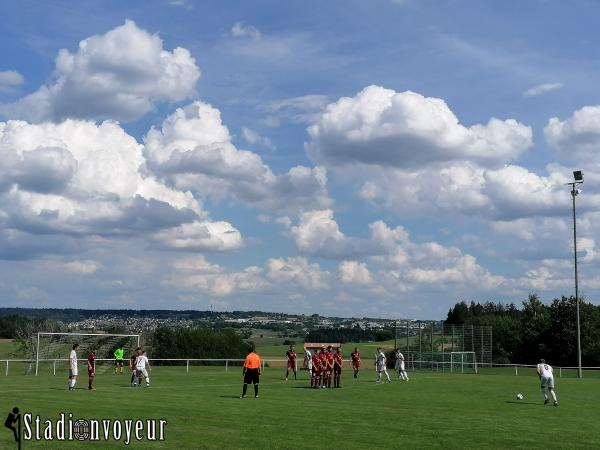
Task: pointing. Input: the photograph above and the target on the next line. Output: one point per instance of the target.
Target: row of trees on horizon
(535, 330)
(521, 333)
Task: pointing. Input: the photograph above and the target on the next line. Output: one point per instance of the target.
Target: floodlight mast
(577, 179)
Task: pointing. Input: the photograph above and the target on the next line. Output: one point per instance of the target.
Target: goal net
(54, 348)
(436, 345)
(463, 362)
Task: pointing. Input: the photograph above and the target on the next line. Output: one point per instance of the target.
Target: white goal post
(59, 344)
(462, 359)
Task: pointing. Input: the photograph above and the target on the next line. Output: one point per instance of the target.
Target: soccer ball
(519, 396)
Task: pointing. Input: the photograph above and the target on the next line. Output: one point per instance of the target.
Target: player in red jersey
(291, 362)
(91, 363)
(316, 371)
(329, 359)
(337, 368)
(355, 361)
(323, 361)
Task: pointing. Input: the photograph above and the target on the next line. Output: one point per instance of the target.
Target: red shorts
(356, 364)
(291, 364)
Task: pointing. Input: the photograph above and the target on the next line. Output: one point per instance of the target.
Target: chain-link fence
(426, 344)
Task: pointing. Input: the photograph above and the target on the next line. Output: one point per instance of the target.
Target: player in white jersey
(73, 372)
(547, 381)
(399, 365)
(380, 365)
(308, 361)
(140, 368)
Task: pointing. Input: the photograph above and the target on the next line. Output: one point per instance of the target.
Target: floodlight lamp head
(578, 175)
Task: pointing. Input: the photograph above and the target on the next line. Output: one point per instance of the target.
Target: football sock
(544, 393)
(244, 389)
(553, 395)
(256, 390)
(147, 380)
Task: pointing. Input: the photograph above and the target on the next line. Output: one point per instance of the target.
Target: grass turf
(432, 410)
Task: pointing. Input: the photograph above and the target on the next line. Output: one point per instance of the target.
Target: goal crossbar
(40, 334)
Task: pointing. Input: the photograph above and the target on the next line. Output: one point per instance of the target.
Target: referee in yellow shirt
(251, 372)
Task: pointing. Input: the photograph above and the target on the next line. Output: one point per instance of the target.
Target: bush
(183, 343)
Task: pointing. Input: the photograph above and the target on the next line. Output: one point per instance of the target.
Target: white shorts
(73, 372)
(141, 373)
(309, 365)
(381, 368)
(400, 367)
(547, 382)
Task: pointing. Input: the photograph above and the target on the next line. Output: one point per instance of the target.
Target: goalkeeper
(119, 357)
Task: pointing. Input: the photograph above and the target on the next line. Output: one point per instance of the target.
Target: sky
(383, 158)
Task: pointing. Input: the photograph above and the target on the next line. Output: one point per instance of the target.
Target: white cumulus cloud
(382, 127)
(578, 137)
(118, 75)
(193, 150)
(202, 236)
(80, 178)
(297, 271)
(354, 272)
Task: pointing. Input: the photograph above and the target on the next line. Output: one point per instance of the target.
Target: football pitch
(432, 410)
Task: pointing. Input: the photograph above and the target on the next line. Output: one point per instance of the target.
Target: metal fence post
(54, 368)
(560, 372)
(420, 350)
(7, 367)
(432, 346)
(226, 364)
(187, 366)
(516, 370)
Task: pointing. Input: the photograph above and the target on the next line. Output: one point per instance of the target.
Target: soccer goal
(56, 346)
(463, 362)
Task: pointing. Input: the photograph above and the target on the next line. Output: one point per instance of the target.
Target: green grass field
(432, 410)
(7, 348)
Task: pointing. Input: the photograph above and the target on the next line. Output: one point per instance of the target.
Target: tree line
(184, 343)
(343, 335)
(525, 334)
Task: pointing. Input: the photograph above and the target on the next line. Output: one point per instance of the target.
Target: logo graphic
(81, 430)
(13, 423)
(28, 427)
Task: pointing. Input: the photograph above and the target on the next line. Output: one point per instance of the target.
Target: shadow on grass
(232, 396)
(521, 402)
